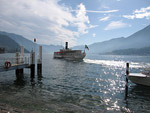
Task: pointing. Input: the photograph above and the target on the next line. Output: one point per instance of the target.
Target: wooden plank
(14, 67)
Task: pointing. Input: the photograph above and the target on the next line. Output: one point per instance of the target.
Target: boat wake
(118, 64)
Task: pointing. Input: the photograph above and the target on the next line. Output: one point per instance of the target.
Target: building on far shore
(2, 50)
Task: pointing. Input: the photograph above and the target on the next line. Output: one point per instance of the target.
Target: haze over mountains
(140, 39)
(132, 51)
(19, 40)
(9, 44)
(28, 44)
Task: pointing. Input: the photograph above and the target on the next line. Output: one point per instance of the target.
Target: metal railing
(15, 60)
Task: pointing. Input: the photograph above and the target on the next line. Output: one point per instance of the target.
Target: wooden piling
(126, 86)
(19, 60)
(39, 62)
(39, 69)
(17, 57)
(17, 72)
(32, 64)
(21, 55)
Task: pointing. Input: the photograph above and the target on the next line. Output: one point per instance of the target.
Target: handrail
(15, 60)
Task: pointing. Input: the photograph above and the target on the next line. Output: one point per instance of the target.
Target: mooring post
(39, 62)
(126, 86)
(21, 56)
(17, 62)
(21, 59)
(32, 64)
(17, 57)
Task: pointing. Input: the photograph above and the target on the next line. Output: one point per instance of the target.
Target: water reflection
(138, 99)
(40, 78)
(139, 90)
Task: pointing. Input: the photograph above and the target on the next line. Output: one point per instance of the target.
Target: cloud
(95, 11)
(105, 18)
(142, 13)
(129, 16)
(116, 25)
(93, 26)
(93, 34)
(108, 11)
(47, 20)
(81, 19)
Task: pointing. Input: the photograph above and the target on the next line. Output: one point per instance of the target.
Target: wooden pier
(14, 67)
(20, 62)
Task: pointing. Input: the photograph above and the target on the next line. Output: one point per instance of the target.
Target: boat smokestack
(66, 45)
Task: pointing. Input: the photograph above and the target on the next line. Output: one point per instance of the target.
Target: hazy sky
(76, 21)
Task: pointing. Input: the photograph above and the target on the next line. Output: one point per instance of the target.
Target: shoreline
(5, 108)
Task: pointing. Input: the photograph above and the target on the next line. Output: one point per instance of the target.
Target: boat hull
(140, 79)
(69, 57)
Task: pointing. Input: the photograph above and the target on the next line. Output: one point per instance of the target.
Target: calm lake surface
(95, 85)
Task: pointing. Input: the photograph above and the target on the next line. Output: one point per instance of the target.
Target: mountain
(107, 46)
(9, 44)
(132, 51)
(29, 45)
(139, 39)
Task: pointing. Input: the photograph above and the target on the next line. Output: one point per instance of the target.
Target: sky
(78, 22)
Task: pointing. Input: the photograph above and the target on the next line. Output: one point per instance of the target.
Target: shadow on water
(33, 81)
(20, 81)
(138, 99)
(40, 78)
(140, 90)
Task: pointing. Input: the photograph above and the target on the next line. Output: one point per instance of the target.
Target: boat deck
(138, 75)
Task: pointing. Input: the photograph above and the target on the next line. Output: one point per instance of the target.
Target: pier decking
(20, 62)
(14, 67)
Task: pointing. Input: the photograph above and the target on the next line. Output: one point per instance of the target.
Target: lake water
(95, 85)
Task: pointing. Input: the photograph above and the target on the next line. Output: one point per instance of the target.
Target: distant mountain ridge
(140, 39)
(10, 45)
(7, 43)
(132, 51)
(28, 44)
